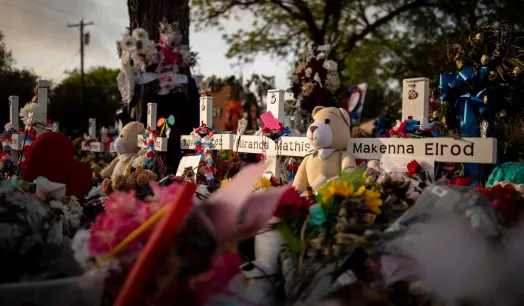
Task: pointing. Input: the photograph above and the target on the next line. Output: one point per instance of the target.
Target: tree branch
(307, 17)
(243, 4)
(355, 38)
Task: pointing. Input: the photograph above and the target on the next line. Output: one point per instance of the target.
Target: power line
(57, 9)
(22, 8)
(60, 63)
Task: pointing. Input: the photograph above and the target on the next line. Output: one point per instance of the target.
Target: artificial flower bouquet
(132, 232)
(144, 60)
(315, 82)
(38, 267)
(507, 199)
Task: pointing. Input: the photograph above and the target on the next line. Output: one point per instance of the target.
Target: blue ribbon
(468, 105)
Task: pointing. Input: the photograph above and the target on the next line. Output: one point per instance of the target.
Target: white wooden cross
(160, 142)
(17, 139)
(95, 145)
(415, 105)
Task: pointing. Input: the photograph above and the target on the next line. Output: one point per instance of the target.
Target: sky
(37, 33)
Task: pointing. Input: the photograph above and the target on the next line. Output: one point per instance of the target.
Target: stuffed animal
(141, 177)
(328, 135)
(117, 174)
(144, 177)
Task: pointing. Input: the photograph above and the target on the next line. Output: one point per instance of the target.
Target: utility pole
(84, 40)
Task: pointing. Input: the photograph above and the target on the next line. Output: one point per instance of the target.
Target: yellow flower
(373, 201)
(340, 188)
(264, 183)
(224, 182)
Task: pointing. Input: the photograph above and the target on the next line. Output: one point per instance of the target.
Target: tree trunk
(147, 14)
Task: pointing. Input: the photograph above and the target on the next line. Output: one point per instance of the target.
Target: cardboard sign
(189, 161)
(161, 144)
(269, 121)
(96, 147)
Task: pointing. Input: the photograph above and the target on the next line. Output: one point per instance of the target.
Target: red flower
(170, 56)
(460, 181)
(198, 148)
(150, 154)
(413, 167)
(291, 204)
(5, 137)
(479, 188)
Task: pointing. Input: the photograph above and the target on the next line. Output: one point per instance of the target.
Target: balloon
(171, 120)
(160, 122)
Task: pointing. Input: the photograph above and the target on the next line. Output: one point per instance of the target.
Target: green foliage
(101, 100)
(375, 41)
(13, 82)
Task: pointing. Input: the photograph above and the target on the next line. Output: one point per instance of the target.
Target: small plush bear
(117, 174)
(141, 177)
(328, 135)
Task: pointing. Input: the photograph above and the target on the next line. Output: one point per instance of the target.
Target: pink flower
(381, 179)
(395, 177)
(413, 195)
(123, 215)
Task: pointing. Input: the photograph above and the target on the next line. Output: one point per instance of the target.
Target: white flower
(80, 247)
(139, 161)
(321, 55)
(330, 65)
(32, 113)
(70, 213)
(95, 191)
(128, 43)
(140, 34)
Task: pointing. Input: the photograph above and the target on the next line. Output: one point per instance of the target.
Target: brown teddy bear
(328, 135)
(141, 177)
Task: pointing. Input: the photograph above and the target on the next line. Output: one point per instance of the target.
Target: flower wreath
(203, 137)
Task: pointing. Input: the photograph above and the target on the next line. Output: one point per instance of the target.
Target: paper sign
(269, 121)
(45, 187)
(189, 161)
(399, 163)
(161, 144)
(96, 147)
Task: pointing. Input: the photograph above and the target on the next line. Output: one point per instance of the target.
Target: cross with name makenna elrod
(415, 105)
